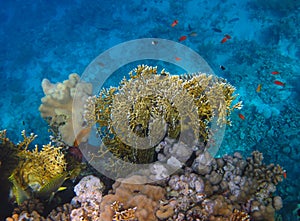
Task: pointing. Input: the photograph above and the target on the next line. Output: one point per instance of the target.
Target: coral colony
(203, 188)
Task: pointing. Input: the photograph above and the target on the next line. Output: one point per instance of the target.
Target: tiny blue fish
(216, 30)
(233, 20)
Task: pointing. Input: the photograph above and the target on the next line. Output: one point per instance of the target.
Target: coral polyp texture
(140, 201)
(152, 105)
(57, 106)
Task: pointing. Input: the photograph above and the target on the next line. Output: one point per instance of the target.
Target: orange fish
(242, 116)
(82, 134)
(228, 36)
(258, 88)
(284, 174)
(182, 38)
(275, 72)
(279, 83)
(177, 58)
(224, 40)
(175, 22)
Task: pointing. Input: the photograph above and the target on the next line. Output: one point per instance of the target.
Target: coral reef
(29, 206)
(8, 155)
(228, 188)
(8, 162)
(119, 215)
(38, 173)
(232, 188)
(143, 199)
(61, 213)
(239, 216)
(87, 200)
(141, 107)
(57, 106)
(26, 216)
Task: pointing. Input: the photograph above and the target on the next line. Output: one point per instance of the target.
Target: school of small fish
(224, 39)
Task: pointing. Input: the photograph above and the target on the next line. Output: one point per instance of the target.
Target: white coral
(58, 101)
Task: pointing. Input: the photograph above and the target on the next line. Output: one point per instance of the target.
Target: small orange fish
(224, 40)
(82, 134)
(258, 88)
(284, 174)
(279, 83)
(275, 72)
(177, 58)
(242, 116)
(228, 36)
(182, 38)
(175, 22)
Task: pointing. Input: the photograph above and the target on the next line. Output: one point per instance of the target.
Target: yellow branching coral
(152, 105)
(213, 96)
(127, 214)
(238, 215)
(26, 140)
(41, 166)
(38, 172)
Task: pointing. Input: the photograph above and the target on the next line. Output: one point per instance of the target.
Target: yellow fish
(258, 89)
(18, 192)
(53, 186)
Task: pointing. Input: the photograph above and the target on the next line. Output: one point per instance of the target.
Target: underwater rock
(159, 171)
(234, 189)
(277, 202)
(89, 188)
(61, 213)
(203, 164)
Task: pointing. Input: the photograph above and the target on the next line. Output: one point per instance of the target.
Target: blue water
(51, 39)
